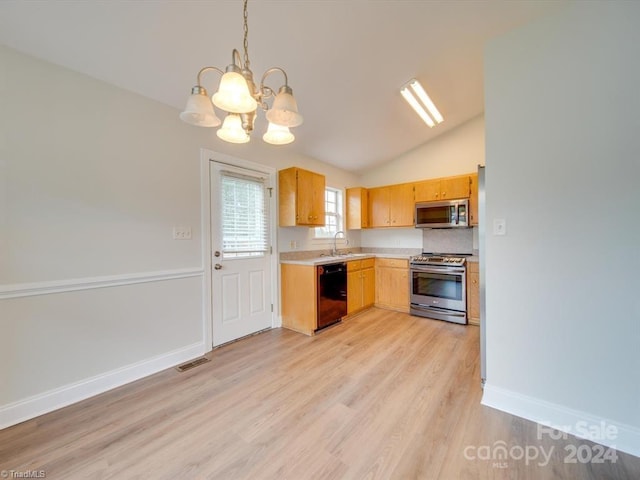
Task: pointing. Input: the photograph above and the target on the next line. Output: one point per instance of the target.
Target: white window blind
(245, 215)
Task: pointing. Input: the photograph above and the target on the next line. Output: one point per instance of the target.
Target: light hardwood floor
(382, 396)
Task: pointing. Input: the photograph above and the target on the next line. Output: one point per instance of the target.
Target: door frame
(207, 156)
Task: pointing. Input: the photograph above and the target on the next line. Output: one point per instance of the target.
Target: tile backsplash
(447, 240)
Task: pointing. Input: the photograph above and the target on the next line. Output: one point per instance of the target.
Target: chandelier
(240, 97)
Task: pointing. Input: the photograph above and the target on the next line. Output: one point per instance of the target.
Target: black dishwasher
(332, 293)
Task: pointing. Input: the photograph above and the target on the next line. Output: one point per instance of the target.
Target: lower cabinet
(360, 285)
(299, 304)
(392, 284)
(473, 293)
(383, 282)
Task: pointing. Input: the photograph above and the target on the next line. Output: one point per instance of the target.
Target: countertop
(327, 260)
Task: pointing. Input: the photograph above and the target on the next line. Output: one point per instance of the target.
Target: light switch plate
(182, 233)
(499, 226)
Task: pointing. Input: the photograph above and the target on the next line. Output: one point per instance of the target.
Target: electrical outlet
(499, 226)
(182, 233)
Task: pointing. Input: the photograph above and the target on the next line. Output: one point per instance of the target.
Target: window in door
(245, 216)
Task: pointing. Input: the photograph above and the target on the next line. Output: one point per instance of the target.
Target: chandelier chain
(246, 36)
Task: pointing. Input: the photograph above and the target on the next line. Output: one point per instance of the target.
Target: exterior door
(241, 252)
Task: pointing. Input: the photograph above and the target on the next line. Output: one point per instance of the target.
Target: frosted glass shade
(278, 135)
(232, 131)
(285, 109)
(199, 111)
(233, 94)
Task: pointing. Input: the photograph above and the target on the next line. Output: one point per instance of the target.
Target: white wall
(456, 152)
(563, 310)
(94, 292)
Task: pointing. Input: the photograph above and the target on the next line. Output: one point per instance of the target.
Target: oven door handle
(437, 270)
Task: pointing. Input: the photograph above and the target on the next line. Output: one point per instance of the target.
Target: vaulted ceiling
(346, 59)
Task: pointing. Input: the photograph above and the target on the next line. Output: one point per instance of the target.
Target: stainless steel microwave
(445, 214)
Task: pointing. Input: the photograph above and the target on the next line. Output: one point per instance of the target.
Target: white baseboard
(626, 438)
(46, 402)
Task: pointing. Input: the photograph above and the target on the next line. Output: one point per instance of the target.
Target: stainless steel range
(439, 287)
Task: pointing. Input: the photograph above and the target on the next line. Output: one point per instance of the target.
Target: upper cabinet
(473, 200)
(446, 188)
(391, 206)
(357, 208)
(301, 198)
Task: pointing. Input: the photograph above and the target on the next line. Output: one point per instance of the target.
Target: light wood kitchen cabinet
(301, 198)
(473, 293)
(447, 188)
(391, 206)
(427, 190)
(473, 200)
(357, 208)
(299, 305)
(360, 285)
(392, 284)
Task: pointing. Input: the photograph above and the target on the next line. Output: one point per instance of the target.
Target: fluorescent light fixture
(416, 96)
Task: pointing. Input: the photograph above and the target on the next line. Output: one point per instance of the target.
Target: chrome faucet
(334, 252)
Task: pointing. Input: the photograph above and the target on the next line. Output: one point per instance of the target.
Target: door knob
(217, 266)
(216, 253)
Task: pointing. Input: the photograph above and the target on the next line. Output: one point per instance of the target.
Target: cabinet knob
(436, 195)
(310, 217)
(444, 194)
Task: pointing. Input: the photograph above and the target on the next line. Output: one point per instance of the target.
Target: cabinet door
(383, 286)
(427, 190)
(473, 296)
(287, 188)
(368, 287)
(298, 293)
(305, 197)
(317, 202)
(392, 284)
(401, 205)
(473, 200)
(379, 207)
(454, 187)
(400, 289)
(354, 291)
(357, 208)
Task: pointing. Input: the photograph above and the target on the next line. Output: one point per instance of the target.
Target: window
(333, 214)
(245, 216)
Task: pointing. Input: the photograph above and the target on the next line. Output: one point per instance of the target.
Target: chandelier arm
(206, 69)
(269, 72)
(235, 56)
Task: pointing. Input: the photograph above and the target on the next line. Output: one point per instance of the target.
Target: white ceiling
(346, 59)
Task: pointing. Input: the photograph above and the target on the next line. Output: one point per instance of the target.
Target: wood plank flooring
(382, 396)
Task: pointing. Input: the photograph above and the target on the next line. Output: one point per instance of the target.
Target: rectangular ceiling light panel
(416, 96)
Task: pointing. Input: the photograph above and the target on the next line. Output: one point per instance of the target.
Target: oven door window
(440, 285)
